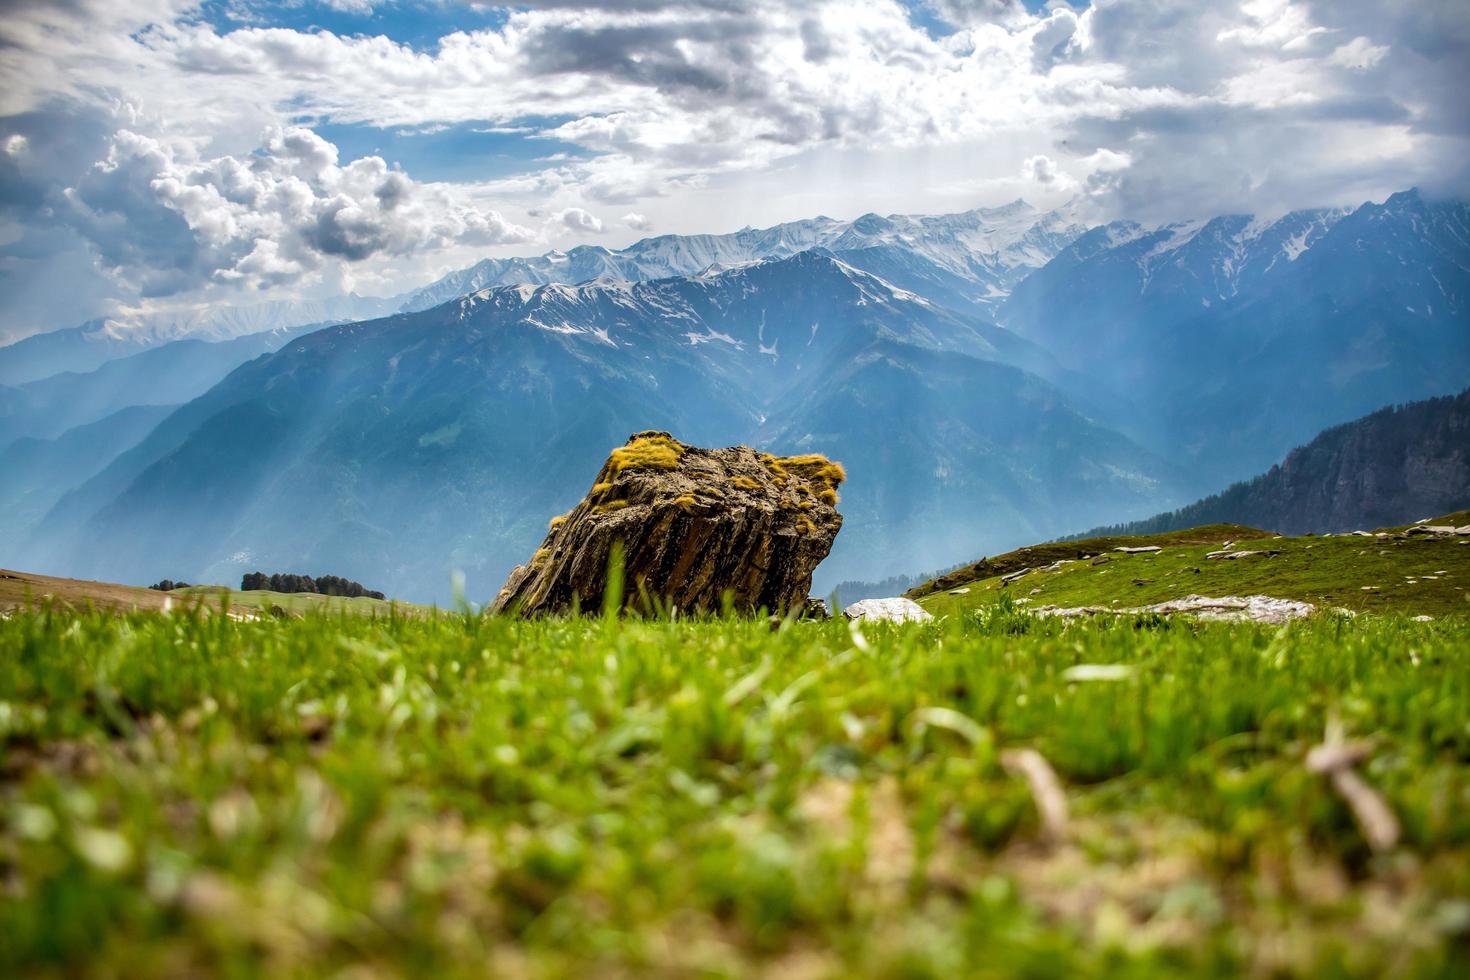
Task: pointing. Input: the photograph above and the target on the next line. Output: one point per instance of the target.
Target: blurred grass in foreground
(468, 795)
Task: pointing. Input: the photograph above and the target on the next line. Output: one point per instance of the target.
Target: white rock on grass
(1233, 609)
(896, 610)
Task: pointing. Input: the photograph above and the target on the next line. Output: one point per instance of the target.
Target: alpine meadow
(779, 489)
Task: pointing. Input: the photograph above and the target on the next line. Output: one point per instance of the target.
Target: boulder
(896, 610)
(694, 526)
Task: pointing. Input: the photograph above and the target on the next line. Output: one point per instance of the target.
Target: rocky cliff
(694, 526)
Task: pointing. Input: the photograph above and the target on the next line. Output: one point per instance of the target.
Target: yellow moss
(557, 522)
(685, 501)
(647, 450)
(540, 557)
(744, 482)
(599, 488)
(805, 526)
(813, 468)
(806, 505)
(608, 506)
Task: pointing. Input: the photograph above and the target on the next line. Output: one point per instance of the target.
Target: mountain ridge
(382, 446)
(983, 248)
(1393, 466)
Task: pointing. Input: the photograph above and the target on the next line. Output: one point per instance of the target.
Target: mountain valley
(988, 378)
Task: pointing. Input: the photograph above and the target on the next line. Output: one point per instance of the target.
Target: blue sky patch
(418, 25)
(461, 152)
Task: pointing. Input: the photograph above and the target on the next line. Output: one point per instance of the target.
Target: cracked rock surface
(694, 525)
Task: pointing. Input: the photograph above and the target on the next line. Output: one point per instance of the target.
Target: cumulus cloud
(170, 220)
(637, 221)
(1054, 39)
(1221, 105)
(971, 13)
(1359, 53)
(1043, 170)
(578, 219)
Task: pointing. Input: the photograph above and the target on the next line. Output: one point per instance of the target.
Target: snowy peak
(987, 250)
(1211, 259)
(797, 310)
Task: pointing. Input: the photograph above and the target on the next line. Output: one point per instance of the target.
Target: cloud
(971, 13)
(1359, 53)
(1220, 105)
(1054, 39)
(580, 220)
(163, 217)
(1043, 170)
(637, 221)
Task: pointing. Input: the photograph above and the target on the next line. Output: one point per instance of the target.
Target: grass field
(302, 603)
(465, 795)
(22, 590)
(1412, 575)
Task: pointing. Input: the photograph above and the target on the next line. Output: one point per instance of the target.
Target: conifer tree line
(323, 585)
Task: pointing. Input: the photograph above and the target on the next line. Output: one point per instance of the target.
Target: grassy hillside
(475, 796)
(19, 590)
(301, 603)
(1392, 573)
(1045, 554)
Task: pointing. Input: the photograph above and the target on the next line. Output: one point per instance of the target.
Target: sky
(159, 154)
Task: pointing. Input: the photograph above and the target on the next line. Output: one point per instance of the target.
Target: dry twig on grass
(1046, 790)
(1335, 758)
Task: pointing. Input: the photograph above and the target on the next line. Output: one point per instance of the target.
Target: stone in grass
(1252, 609)
(895, 610)
(694, 526)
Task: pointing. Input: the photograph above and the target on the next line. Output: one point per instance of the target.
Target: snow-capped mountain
(86, 347)
(1196, 264)
(1137, 366)
(977, 256)
(443, 439)
(1238, 339)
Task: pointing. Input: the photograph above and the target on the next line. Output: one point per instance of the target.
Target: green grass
(1409, 575)
(301, 603)
(192, 795)
(1045, 554)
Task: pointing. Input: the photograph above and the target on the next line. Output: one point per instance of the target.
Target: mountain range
(86, 347)
(989, 378)
(446, 438)
(969, 260)
(1237, 339)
